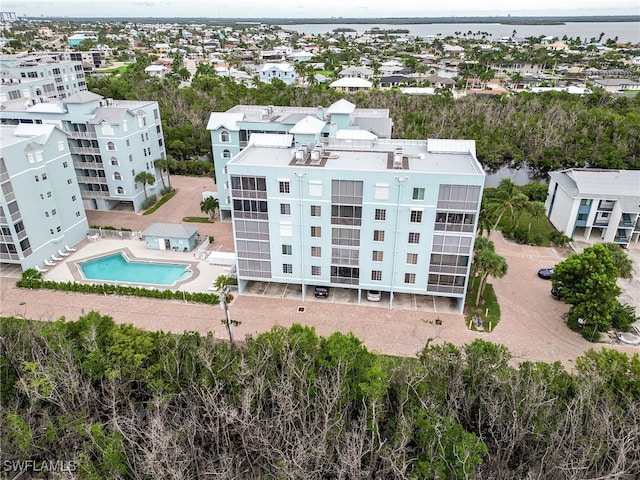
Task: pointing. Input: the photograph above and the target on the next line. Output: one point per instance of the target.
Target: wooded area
(126, 403)
(544, 131)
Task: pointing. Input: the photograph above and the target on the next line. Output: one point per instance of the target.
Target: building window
(46, 214)
(224, 136)
(131, 158)
(65, 164)
(381, 214)
(69, 181)
(377, 256)
(287, 249)
(315, 270)
(77, 214)
(381, 192)
(37, 178)
(128, 143)
(111, 146)
(117, 176)
(287, 268)
(315, 210)
(418, 194)
(316, 231)
(61, 146)
(414, 237)
(58, 229)
(286, 229)
(376, 275)
(54, 211)
(73, 198)
(410, 278)
(378, 235)
(114, 161)
(120, 191)
(285, 209)
(412, 258)
(226, 154)
(48, 194)
(284, 186)
(315, 189)
(316, 251)
(44, 176)
(416, 216)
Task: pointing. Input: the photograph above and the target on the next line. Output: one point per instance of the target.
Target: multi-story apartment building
(599, 205)
(110, 142)
(39, 76)
(41, 209)
(396, 216)
(231, 130)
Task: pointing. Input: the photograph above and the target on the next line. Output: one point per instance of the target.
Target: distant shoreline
(505, 20)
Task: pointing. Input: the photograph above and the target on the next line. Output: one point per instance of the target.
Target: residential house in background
(351, 84)
(282, 71)
(596, 204)
(41, 210)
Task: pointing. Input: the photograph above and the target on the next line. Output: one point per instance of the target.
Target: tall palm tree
(506, 199)
(146, 178)
(489, 264)
(536, 210)
(208, 206)
(163, 164)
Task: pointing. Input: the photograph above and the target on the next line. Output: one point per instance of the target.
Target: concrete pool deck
(201, 279)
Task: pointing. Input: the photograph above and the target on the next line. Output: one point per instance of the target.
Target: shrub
(149, 202)
(560, 239)
(591, 334)
(166, 190)
(623, 316)
(31, 278)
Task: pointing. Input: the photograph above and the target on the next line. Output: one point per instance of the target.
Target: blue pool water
(117, 268)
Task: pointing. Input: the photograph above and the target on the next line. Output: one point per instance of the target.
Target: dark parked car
(545, 273)
(557, 293)
(321, 292)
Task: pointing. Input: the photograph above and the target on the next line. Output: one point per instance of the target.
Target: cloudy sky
(302, 8)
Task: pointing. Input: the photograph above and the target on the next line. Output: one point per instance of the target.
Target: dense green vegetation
(126, 403)
(587, 281)
(544, 131)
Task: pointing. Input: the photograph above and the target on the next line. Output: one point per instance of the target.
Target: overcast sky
(304, 8)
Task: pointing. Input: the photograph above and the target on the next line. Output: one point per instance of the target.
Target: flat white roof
(368, 155)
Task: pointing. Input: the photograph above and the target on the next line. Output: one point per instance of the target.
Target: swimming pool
(118, 268)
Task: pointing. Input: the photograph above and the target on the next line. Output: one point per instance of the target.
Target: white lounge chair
(69, 249)
(40, 269)
(49, 263)
(62, 254)
(55, 259)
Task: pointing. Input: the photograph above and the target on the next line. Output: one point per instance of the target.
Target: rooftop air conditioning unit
(397, 158)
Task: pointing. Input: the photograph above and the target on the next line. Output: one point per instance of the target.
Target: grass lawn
(196, 219)
(120, 69)
(540, 234)
(160, 202)
(488, 309)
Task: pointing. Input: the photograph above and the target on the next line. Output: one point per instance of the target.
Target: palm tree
(208, 206)
(146, 178)
(163, 164)
(222, 284)
(489, 263)
(536, 211)
(506, 199)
